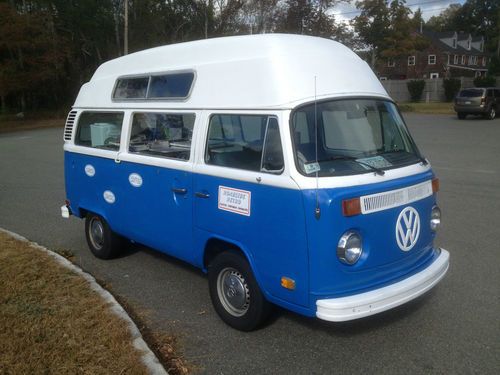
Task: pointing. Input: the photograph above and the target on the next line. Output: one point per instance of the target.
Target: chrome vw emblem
(407, 228)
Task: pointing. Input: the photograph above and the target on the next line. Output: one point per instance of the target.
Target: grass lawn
(52, 322)
(438, 108)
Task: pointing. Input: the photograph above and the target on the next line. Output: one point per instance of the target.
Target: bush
(487, 81)
(416, 88)
(451, 88)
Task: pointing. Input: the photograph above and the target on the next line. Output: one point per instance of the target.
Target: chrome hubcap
(233, 291)
(96, 233)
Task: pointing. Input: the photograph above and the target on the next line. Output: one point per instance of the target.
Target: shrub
(487, 81)
(451, 88)
(416, 88)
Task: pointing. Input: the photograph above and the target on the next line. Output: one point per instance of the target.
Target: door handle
(199, 194)
(179, 190)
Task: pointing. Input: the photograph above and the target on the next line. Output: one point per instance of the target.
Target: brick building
(449, 54)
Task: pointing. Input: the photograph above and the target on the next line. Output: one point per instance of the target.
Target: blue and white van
(278, 164)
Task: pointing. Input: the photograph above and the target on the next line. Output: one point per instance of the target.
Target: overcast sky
(429, 8)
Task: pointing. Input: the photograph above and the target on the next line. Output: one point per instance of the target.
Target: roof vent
(68, 128)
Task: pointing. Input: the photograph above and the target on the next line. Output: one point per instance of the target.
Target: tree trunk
(373, 59)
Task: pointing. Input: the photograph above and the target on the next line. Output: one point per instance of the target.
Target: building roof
(253, 71)
(436, 38)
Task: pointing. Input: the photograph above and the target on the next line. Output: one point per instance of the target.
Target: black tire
(235, 294)
(461, 115)
(492, 113)
(102, 241)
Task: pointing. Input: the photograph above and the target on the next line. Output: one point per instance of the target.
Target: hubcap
(492, 113)
(96, 233)
(233, 291)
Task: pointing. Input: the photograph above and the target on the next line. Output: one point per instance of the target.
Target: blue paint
(281, 237)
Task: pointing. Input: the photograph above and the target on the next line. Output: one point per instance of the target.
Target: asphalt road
(453, 329)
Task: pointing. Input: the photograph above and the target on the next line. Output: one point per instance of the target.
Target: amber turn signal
(351, 207)
(435, 185)
(287, 283)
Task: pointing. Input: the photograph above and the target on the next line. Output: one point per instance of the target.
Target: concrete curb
(148, 357)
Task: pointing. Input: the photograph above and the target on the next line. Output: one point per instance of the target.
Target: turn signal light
(351, 207)
(287, 283)
(435, 185)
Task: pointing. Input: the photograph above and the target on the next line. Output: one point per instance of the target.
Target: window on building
(463, 59)
(99, 130)
(455, 59)
(431, 60)
(434, 75)
(165, 135)
(247, 142)
(391, 63)
(411, 60)
(484, 60)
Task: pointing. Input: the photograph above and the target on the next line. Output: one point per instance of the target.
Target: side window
(489, 93)
(237, 141)
(272, 160)
(99, 130)
(497, 93)
(162, 134)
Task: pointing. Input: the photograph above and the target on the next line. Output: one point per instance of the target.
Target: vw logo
(407, 228)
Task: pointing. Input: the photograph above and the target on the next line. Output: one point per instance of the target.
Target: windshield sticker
(311, 167)
(234, 200)
(375, 161)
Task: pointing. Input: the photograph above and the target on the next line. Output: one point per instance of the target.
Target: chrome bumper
(373, 302)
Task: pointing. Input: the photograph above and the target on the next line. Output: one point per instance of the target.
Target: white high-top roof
(242, 72)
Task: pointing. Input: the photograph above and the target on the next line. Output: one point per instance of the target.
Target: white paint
(382, 299)
(148, 357)
(135, 180)
(64, 212)
(407, 228)
(109, 196)
(90, 170)
(234, 200)
(251, 71)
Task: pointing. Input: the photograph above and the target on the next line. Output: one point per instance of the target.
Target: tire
(461, 115)
(102, 241)
(491, 113)
(235, 294)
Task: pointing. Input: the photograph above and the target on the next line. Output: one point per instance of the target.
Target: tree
(372, 25)
(446, 20)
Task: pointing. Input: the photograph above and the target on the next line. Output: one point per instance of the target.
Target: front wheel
(102, 241)
(235, 294)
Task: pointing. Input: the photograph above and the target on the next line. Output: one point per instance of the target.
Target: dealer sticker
(234, 200)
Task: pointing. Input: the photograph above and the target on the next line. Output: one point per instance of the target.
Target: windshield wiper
(420, 158)
(352, 158)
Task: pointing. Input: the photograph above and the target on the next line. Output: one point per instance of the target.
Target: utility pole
(125, 33)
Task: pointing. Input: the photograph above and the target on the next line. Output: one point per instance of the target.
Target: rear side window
(99, 130)
(249, 142)
(165, 135)
(471, 93)
(164, 86)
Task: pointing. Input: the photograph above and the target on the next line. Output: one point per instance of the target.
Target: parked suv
(478, 101)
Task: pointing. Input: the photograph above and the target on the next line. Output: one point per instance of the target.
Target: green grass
(436, 108)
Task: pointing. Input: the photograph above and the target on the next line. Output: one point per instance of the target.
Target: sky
(347, 11)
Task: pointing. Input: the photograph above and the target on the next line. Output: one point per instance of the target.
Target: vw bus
(277, 164)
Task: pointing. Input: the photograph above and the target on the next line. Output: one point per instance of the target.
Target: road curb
(148, 357)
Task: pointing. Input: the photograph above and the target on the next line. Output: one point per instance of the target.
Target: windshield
(354, 136)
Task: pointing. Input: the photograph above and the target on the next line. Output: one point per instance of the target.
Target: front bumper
(378, 300)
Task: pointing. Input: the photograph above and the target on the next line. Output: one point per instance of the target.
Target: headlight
(350, 247)
(435, 218)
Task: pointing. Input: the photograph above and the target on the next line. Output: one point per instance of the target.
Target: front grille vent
(389, 199)
(68, 128)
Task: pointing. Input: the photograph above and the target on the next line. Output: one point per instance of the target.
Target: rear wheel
(235, 294)
(102, 241)
(491, 113)
(461, 115)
